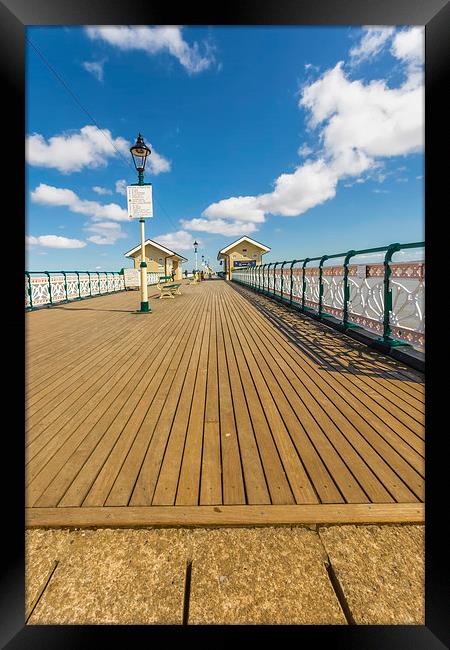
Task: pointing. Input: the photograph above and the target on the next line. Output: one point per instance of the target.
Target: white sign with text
(140, 204)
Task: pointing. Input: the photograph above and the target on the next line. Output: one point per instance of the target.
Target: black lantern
(140, 152)
(195, 246)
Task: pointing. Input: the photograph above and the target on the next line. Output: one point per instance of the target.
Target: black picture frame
(15, 16)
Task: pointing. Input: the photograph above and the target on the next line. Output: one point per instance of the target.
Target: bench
(168, 290)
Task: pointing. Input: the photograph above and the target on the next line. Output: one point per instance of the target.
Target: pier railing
(386, 298)
(52, 287)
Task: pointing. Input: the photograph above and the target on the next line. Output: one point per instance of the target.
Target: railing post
(322, 260)
(275, 278)
(260, 268)
(268, 277)
(304, 282)
(345, 323)
(99, 290)
(49, 287)
(79, 287)
(292, 281)
(282, 279)
(65, 284)
(90, 283)
(30, 290)
(386, 340)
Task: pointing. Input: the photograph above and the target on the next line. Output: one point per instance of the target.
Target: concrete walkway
(271, 575)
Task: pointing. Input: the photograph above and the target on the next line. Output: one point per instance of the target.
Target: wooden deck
(219, 407)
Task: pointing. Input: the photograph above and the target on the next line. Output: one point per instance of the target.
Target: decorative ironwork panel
(72, 286)
(277, 281)
(103, 283)
(333, 294)
(408, 302)
(95, 284)
(58, 289)
(297, 284)
(84, 284)
(366, 302)
(312, 288)
(40, 291)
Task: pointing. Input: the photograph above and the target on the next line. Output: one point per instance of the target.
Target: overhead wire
(91, 117)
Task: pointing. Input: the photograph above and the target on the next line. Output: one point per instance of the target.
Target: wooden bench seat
(168, 290)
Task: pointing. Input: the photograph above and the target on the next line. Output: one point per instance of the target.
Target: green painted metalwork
(322, 260)
(79, 286)
(30, 290)
(345, 323)
(268, 277)
(65, 284)
(282, 279)
(304, 281)
(99, 290)
(47, 273)
(90, 283)
(292, 279)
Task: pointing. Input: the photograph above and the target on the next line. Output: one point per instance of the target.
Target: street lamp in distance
(140, 152)
(195, 251)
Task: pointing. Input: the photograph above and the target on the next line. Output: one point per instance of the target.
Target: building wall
(243, 252)
(157, 262)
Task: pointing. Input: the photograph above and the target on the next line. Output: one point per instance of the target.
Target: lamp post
(140, 152)
(195, 251)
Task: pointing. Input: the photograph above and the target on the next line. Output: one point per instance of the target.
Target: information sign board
(140, 204)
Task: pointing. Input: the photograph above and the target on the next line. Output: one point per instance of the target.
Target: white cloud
(158, 164)
(49, 195)
(153, 40)
(54, 241)
(105, 232)
(358, 123)
(409, 44)
(90, 147)
(220, 226)
(71, 152)
(95, 68)
(304, 151)
(371, 44)
(101, 190)
(121, 187)
(177, 241)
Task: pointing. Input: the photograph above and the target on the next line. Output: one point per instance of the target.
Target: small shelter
(159, 258)
(242, 252)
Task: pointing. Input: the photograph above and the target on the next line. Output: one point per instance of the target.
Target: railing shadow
(330, 351)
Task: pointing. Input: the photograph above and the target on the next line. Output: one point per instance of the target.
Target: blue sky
(307, 139)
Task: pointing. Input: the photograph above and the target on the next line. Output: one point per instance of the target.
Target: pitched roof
(265, 249)
(151, 242)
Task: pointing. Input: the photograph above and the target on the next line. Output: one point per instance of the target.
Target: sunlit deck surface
(219, 407)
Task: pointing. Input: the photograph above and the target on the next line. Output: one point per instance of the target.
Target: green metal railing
(50, 286)
(260, 278)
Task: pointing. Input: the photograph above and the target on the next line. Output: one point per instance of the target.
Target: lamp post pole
(140, 152)
(196, 262)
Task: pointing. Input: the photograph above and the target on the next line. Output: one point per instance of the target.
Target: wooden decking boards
(219, 407)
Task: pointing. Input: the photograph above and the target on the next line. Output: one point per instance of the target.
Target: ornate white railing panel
(56, 287)
(366, 294)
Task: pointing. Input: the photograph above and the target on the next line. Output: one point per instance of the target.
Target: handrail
(54, 297)
(345, 324)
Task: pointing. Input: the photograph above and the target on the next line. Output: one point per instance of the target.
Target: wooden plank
(277, 482)
(305, 432)
(167, 482)
(256, 489)
(336, 400)
(232, 477)
(307, 475)
(211, 475)
(148, 475)
(247, 515)
(122, 465)
(158, 418)
(144, 391)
